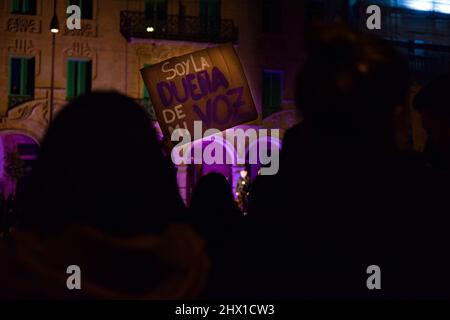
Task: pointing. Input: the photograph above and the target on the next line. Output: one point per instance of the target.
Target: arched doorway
(188, 175)
(18, 153)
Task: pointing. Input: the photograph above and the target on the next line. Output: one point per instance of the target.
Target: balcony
(133, 25)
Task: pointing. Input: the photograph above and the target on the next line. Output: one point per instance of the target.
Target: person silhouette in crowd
(243, 190)
(356, 197)
(103, 197)
(215, 215)
(433, 104)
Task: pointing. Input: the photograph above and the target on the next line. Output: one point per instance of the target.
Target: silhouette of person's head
(353, 86)
(212, 205)
(101, 165)
(433, 103)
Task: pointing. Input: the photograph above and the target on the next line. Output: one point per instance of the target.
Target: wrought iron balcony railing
(134, 24)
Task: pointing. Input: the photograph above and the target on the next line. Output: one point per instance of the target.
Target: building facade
(117, 39)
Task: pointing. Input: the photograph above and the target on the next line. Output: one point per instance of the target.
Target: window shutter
(146, 95)
(14, 74)
(15, 6)
(84, 77)
(71, 78)
(26, 6)
(29, 6)
(81, 83)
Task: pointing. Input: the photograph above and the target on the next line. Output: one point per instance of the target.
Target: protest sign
(208, 86)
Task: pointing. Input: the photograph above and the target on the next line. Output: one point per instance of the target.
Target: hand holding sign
(208, 85)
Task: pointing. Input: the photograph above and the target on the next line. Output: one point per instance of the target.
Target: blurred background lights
(442, 6)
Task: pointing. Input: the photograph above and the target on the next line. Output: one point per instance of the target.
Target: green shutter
(146, 94)
(29, 6)
(84, 77)
(71, 78)
(26, 6)
(145, 91)
(15, 6)
(81, 81)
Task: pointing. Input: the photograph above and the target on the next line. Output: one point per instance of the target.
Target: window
(156, 12)
(23, 7)
(271, 16)
(85, 6)
(210, 15)
(272, 92)
(79, 77)
(21, 77)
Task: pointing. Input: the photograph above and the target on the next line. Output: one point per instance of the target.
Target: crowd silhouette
(350, 194)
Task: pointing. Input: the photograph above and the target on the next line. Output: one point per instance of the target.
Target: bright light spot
(421, 5)
(150, 29)
(442, 6)
(54, 30)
